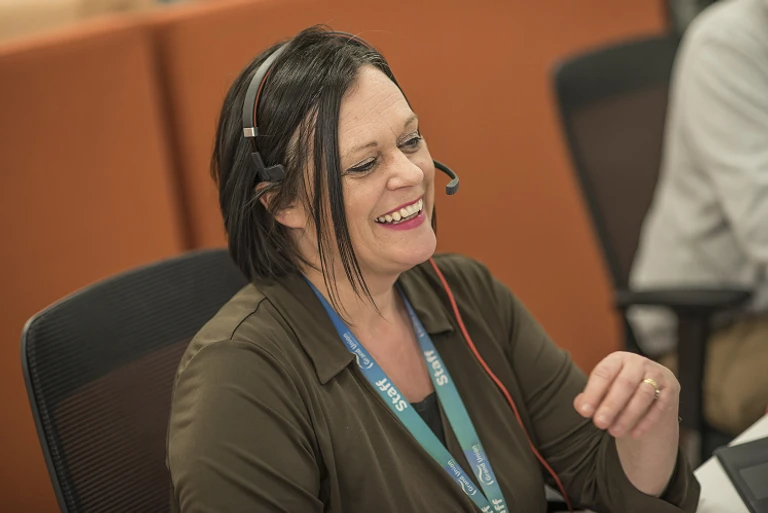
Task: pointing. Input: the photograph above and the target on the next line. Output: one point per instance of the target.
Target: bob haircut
(298, 121)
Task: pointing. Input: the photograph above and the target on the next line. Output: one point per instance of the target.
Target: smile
(403, 214)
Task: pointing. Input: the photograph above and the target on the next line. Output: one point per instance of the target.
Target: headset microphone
(453, 185)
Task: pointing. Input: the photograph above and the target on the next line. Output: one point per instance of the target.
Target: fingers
(618, 399)
(639, 405)
(619, 395)
(598, 384)
(666, 402)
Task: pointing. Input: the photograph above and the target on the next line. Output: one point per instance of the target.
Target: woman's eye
(413, 142)
(362, 168)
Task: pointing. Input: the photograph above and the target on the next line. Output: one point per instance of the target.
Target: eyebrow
(372, 144)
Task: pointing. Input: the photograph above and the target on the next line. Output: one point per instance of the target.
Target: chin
(418, 254)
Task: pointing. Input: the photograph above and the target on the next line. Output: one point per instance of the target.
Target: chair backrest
(99, 368)
(86, 197)
(613, 104)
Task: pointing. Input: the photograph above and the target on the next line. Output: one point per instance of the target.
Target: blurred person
(708, 223)
(339, 379)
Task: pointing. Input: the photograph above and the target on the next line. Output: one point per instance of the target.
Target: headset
(276, 173)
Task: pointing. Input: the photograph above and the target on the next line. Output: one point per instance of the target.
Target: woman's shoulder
(468, 281)
(473, 286)
(460, 271)
(244, 325)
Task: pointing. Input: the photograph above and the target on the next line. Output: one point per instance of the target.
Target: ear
(291, 216)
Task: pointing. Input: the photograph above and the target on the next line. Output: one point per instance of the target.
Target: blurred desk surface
(717, 493)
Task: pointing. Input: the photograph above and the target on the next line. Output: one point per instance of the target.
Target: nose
(404, 173)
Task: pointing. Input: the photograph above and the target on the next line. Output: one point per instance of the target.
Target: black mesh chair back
(613, 104)
(99, 368)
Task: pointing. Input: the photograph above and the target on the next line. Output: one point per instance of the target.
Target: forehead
(373, 102)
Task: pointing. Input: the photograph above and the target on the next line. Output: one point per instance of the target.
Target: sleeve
(239, 437)
(584, 457)
(723, 108)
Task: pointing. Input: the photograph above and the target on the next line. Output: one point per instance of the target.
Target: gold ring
(656, 389)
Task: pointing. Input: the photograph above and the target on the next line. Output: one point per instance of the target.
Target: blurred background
(108, 110)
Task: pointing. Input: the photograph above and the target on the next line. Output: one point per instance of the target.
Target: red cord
(498, 383)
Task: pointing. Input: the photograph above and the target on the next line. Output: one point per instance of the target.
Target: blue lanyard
(452, 405)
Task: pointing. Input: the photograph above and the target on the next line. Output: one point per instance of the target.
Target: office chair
(612, 104)
(99, 367)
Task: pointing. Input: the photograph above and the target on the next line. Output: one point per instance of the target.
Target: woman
(314, 388)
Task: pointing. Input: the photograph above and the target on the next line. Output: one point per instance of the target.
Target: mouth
(402, 214)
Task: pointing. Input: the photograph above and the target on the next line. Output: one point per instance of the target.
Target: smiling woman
(361, 124)
(338, 380)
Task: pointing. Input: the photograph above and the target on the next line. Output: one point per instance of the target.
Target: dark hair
(298, 118)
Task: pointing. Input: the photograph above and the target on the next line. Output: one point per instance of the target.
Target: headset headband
(251, 104)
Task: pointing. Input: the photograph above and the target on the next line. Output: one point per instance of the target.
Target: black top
(429, 409)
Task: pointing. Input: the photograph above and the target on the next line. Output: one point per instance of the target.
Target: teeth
(401, 214)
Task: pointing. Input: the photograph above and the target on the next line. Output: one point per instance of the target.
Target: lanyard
(492, 500)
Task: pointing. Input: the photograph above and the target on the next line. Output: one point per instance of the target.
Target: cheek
(360, 200)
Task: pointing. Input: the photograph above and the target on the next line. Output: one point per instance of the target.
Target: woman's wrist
(649, 461)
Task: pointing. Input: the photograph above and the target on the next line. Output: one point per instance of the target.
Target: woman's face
(388, 177)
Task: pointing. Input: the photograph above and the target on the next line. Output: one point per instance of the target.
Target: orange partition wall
(85, 192)
(478, 74)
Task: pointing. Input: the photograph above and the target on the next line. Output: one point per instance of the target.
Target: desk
(717, 493)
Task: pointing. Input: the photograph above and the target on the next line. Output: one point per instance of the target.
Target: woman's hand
(628, 394)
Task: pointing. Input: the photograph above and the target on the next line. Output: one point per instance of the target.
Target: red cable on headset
(498, 383)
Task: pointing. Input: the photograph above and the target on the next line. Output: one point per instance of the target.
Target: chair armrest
(686, 300)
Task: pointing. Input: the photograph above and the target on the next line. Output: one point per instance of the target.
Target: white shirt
(708, 223)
